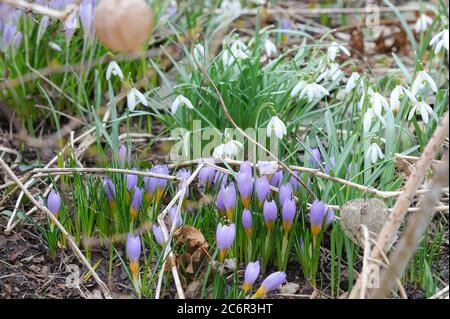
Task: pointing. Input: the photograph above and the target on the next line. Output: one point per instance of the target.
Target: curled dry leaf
(123, 25)
(372, 213)
(191, 238)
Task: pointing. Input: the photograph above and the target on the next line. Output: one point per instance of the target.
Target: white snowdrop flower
(379, 102)
(199, 52)
(422, 23)
(135, 97)
(420, 107)
(113, 69)
(396, 97)
(310, 90)
(231, 8)
(373, 153)
(367, 121)
(422, 79)
(277, 126)
(352, 81)
(332, 73)
(237, 51)
(270, 48)
(179, 101)
(54, 46)
(229, 149)
(440, 40)
(334, 49)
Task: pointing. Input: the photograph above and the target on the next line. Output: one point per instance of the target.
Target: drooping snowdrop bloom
(229, 149)
(174, 217)
(179, 101)
(270, 48)
(134, 97)
(352, 82)
(396, 97)
(136, 201)
(334, 49)
(423, 23)
(262, 188)
(367, 121)
(422, 108)
(237, 51)
(133, 252)
(247, 222)
(440, 41)
(54, 202)
(113, 69)
(245, 187)
(270, 214)
(272, 282)
(110, 191)
(422, 79)
(332, 73)
(312, 91)
(158, 233)
(225, 237)
(288, 213)
(199, 52)
(373, 153)
(250, 275)
(277, 126)
(379, 102)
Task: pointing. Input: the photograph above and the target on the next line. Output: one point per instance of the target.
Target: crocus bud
(319, 217)
(270, 213)
(225, 237)
(294, 182)
(314, 160)
(206, 174)
(123, 25)
(54, 202)
(289, 210)
(124, 155)
(272, 282)
(250, 276)
(219, 201)
(285, 193)
(247, 222)
(174, 216)
(246, 167)
(133, 252)
(159, 235)
(262, 187)
(161, 183)
(131, 181)
(285, 25)
(245, 187)
(149, 187)
(110, 191)
(136, 202)
(229, 200)
(220, 178)
(87, 16)
(277, 179)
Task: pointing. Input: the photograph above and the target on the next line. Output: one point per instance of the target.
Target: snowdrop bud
(270, 48)
(123, 25)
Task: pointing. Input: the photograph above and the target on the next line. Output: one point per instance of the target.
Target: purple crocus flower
(87, 16)
(245, 187)
(314, 160)
(131, 182)
(158, 233)
(229, 200)
(270, 213)
(219, 201)
(136, 202)
(331, 167)
(9, 33)
(149, 187)
(262, 187)
(319, 216)
(247, 222)
(161, 183)
(289, 210)
(225, 237)
(133, 252)
(110, 191)
(285, 193)
(277, 179)
(246, 167)
(174, 216)
(220, 177)
(70, 24)
(184, 174)
(285, 25)
(54, 202)
(294, 182)
(206, 174)
(124, 155)
(250, 276)
(272, 282)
